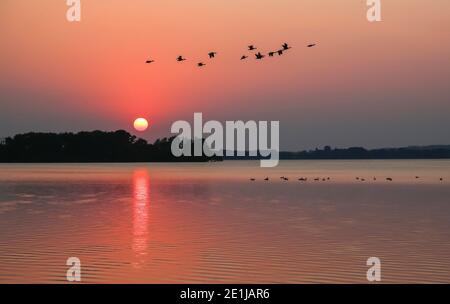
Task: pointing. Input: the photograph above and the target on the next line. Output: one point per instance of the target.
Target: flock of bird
(258, 55)
(304, 179)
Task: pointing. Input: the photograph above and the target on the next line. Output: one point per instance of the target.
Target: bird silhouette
(252, 179)
(286, 46)
(201, 64)
(441, 179)
(212, 54)
(180, 58)
(251, 48)
(150, 61)
(311, 45)
(266, 179)
(271, 54)
(389, 179)
(244, 57)
(259, 56)
(280, 52)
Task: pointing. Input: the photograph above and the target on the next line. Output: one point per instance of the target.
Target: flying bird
(244, 57)
(150, 61)
(259, 56)
(286, 47)
(311, 45)
(201, 64)
(251, 48)
(212, 54)
(280, 52)
(271, 54)
(180, 58)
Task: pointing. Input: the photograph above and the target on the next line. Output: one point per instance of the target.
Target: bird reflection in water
(141, 205)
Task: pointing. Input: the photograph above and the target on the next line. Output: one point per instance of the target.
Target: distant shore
(328, 153)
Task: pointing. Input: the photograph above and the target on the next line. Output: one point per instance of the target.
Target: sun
(140, 124)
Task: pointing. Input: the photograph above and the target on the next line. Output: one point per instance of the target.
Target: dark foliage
(96, 146)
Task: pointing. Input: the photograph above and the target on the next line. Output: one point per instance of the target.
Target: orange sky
(371, 84)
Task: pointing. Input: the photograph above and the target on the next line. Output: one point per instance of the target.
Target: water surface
(208, 223)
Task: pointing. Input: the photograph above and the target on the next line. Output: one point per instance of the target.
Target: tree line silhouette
(121, 146)
(95, 146)
(412, 152)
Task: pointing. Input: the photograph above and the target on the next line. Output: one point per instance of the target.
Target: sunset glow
(99, 62)
(141, 124)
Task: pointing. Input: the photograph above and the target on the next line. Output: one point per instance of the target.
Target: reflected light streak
(141, 205)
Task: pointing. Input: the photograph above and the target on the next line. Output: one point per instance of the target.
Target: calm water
(195, 223)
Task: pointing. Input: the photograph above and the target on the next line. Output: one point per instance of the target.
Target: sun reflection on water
(141, 205)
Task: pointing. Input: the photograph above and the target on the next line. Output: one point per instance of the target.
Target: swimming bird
(317, 179)
(357, 178)
(266, 179)
(286, 47)
(244, 57)
(201, 64)
(374, 178)
(389, 179)
(302, 179)
(311, 45)
(441, 179)
(251, 48)
(259, 56)
(180, 58)
(150, 61)
(417, 177)
(252, 179)
(212, 54)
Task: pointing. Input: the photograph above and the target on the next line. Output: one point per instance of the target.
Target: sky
(381, 84)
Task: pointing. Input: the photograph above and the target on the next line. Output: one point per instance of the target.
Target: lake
(209, 223)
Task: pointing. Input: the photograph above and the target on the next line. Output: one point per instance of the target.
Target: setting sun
(141, 124)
